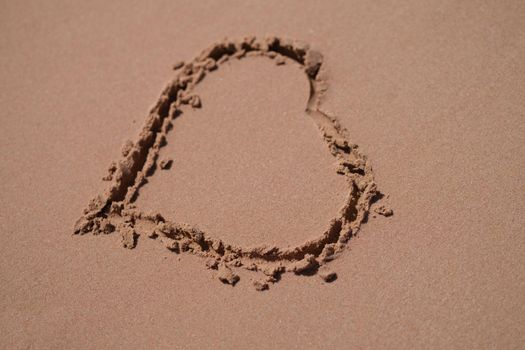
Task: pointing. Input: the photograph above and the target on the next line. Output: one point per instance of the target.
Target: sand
(117, 208)
(432, 94)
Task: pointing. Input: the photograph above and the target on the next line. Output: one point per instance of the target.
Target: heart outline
(115, 209)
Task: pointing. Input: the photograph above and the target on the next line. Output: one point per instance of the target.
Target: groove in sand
(115, 210)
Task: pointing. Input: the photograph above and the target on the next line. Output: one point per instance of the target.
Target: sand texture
(309, 175)
(115, 209)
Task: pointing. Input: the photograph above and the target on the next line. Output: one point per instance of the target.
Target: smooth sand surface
(250, 154)
(433, 93)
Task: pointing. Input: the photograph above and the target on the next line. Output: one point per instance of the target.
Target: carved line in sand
(114, 210)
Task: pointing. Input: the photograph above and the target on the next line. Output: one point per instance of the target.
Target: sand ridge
(115, 210)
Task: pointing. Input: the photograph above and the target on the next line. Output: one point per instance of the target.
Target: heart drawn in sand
(115, 209)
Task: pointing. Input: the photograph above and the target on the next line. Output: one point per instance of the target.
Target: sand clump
(327, 275)
(128, 235)
(165, 164)
(115, 210)
(306, 265)
(226, 275)
(384, 210)
(260, 286)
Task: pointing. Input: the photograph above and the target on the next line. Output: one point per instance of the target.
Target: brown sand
(432, 94)
(227, 141)
(116, 209)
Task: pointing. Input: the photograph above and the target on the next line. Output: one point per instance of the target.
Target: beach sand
(432, 93)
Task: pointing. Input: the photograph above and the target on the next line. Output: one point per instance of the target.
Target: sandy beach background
(432, 92)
